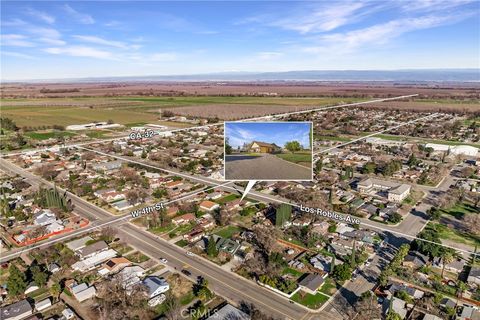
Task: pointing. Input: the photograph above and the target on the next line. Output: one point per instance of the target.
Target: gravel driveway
(265, 167)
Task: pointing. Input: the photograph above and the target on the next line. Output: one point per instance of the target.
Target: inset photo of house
(268, 151)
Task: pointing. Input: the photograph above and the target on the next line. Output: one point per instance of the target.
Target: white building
(455, 150)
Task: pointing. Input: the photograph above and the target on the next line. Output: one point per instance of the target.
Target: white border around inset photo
(257, 179)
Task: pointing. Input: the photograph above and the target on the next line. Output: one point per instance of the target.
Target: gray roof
(153, 283)
(312, 281)
(229, 312)
(401, 189)
(15, 309)
(95, 247)
(79, 243)
(474, 272)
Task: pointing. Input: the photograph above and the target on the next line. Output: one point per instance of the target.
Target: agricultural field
(131, 111)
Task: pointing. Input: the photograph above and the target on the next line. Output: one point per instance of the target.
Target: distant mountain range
(405, 75)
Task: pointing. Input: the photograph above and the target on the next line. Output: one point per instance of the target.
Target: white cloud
(16, 40)
(321, 19)
(377, 34)
(101, 41)
(45, 17)
(17, 54)
(54, 42)
(80, 51)
(80, 17)
(50, 33)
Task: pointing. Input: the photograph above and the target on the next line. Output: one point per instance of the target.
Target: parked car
(186, 272)
(189, 253)
(163, 260)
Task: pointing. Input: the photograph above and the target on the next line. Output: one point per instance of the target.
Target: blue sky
(274, 132)
(56, 39)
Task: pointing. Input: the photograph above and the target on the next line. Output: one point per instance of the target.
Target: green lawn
(121, 248)
(48, 135)
(459, 210)
(455, 235)
(329, 287)
(181, 243)
(227, 198)
(332, 138)
(292, 272)
(296, 157)
(309, 300)
(162, 229)
(228, 232)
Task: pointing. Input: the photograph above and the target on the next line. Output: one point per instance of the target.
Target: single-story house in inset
(209, 205)
(43, 304)
(16, 311)
(263, 147)
(311, 282)
(174, 184)
(122, 205)
(155, 286)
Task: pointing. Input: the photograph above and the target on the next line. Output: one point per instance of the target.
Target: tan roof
(264, 144)
(207, 204)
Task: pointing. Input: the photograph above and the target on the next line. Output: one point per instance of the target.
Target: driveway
(264, 167)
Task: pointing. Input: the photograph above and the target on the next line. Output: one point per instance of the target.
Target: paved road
(223, 282)
(264, 167)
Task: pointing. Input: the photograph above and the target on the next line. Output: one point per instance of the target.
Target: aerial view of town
(240, 160)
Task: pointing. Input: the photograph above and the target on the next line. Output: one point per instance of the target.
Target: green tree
(342, 272)
(39, 275)
(447, 257)
(228, 147)
(293, 146)
(283, 214)
(55, 290)
(212, 250)
(16, 282)
(369, 167)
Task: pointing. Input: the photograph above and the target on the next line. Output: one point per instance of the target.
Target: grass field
(227, 198)
(459, 210)
(296, 157)
(309, 300)
(129, 110)
(228, 232)
(454, 235)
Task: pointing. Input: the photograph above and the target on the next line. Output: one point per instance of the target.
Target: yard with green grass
(227, 198)
(300, 158)
(452, 234)
(228, 232)
(309, 300)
